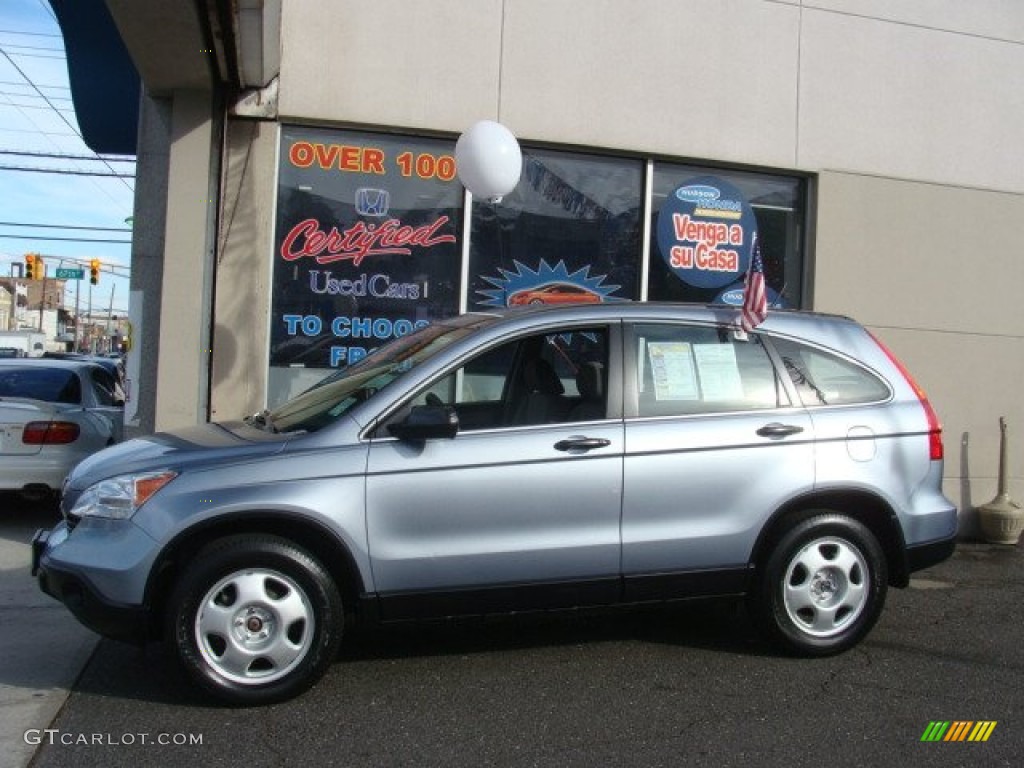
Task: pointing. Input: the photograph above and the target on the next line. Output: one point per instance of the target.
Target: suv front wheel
(822, 587)
(255, 619)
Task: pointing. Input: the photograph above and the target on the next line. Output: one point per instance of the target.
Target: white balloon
(488, 160)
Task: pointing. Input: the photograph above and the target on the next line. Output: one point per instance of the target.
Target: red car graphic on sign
(554, 293)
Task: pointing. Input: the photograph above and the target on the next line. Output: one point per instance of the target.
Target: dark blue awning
(104, 82)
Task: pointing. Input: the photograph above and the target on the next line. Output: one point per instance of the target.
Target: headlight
(118, 498)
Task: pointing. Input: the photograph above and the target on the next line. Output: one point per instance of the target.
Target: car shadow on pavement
(151, 673)
(715, 625)
(18, 515)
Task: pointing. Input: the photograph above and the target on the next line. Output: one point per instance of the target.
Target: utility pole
(110, 312)
(42, 299)
(78, 314)
(91, 350)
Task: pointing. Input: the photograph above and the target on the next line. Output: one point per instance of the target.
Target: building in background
(7, 307)
(297, 203)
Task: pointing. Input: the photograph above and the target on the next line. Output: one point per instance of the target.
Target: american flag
(755, 301)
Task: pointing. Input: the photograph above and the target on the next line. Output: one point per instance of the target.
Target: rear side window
(823, 378)
(683, 370)
(103, 386)
(49, 384)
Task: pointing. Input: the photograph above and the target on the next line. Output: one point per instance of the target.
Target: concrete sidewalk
(43, 648)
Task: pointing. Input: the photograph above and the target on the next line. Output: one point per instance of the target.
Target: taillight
(50, 433)
(935, 449)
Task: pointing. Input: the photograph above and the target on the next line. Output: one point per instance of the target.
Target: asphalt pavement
(43, 649)
(674, 686)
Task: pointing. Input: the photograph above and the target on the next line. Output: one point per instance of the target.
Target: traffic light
(30, 266)
(94, 271)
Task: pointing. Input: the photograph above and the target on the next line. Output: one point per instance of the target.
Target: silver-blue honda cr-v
(540, 458)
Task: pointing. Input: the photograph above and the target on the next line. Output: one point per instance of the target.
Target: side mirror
(426, 422)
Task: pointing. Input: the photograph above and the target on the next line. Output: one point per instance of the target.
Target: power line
(33, 34)
(31, 55)
(66, 110)
(64, 226)
(66, 156)
(34, 48)
(32, 95)
(37, 132)
(23, 85)
(57, 111)
(48, 9)
(67, 239)
(69, 172)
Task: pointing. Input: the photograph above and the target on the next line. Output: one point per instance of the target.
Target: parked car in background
(113, 364)
(548, 457)
(53, 414)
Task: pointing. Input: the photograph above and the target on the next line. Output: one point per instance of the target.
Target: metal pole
(110, 312)
(90, 316)
(78, 314)
(42, 299)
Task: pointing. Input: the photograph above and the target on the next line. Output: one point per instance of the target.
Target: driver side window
(542, 379)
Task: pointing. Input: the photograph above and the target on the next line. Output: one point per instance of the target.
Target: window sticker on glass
(672, 370)
(719, 373)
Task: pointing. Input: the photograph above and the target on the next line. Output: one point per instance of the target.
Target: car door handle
(779, 430)
(581, 443)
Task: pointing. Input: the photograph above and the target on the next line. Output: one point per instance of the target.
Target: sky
(36, 208)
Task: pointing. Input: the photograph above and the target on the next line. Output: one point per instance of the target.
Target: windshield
(336, 394)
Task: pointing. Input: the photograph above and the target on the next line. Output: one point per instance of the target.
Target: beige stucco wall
(181, 378)
(922, 89)
(933, 270)
(242, 302)
(912, 101)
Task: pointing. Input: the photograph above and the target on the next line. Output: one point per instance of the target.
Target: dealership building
(298, 203)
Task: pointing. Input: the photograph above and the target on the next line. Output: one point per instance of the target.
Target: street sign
(70, 274)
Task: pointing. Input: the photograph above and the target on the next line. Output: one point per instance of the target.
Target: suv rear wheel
(255, 619)
(823, 586)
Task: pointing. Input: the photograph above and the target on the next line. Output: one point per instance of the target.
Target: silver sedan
(53, 414)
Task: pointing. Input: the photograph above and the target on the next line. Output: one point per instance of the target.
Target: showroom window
(703, 222)
(367, 248)
(570, 232)
(371, 244)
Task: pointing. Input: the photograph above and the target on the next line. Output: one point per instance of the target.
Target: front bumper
(121, 622)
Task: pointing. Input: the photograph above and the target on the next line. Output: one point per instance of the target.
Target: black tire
(255, 619)
(822, 587)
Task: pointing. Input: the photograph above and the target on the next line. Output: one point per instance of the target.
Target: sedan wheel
(823, 586)
(256, 619)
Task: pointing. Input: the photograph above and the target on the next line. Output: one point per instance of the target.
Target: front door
(522, 508)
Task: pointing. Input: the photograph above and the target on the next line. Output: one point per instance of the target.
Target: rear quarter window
(823, 378)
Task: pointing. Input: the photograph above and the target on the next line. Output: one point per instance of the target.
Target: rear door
(713, 447)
